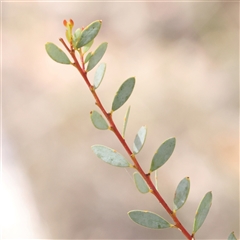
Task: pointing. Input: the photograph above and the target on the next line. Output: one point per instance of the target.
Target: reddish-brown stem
(113, 127)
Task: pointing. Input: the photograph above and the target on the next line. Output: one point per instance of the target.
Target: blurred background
(184, 56)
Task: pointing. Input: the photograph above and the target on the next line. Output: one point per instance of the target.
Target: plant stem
(113, 127)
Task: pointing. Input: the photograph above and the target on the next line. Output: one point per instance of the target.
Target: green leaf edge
(88, 56)
(76, 37)
(65, 59)
(145, 212)
(125, 162)
(138, 179)
(116, 106)
(175, 207)
(87, 47)
(125, 121)
(103, 121)
(81, 41)
(138, 150)
(232, 236)
(96, 83)
(152, 169)
(197, 227)
(95, 58)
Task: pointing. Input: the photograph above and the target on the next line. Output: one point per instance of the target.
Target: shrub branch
(146, 176)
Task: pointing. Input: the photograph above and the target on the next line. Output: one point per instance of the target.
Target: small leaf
(125, 121)
(163, 154)
(56, 53)
(181, 193)
(98, 121)
(76, 37)
(202, 211)
(232, 236)
(97, 56)
(89, 33)
(139, 140)
(87, 57)
(123, 93)
(149, 219)
(98, 77)
(110, 156)
(87, 47)
(140, 183)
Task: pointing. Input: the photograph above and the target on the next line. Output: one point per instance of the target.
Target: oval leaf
(202, 211)
(110, 156)
(181, 193)
(97, 56)
(149, 219)
(123, 93)
(98, 77)
(140, 183)
(163, 154)
(125, 121)
(56, 53)
(89, 33)
(98, 121)
(139, 140)
(232, 236)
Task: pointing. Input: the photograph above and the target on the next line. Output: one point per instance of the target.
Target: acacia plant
(78, 46)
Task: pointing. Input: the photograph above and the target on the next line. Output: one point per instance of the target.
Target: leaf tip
(232, 236)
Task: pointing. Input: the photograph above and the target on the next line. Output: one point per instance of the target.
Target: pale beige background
(184, 56)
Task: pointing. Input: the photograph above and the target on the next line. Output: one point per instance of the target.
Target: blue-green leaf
(140, 183)
(163, 154)
(123, 93)
(87, 47)
(125, 121)
(89, 33)
(202, 211)
(98, 77)
(76, 37)
(110, 156)
(139, 139)
(181, 193)
(97, 56)
(56, 53)
(88, 57)
(149, 219)
(98, 120)
(232, 236)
